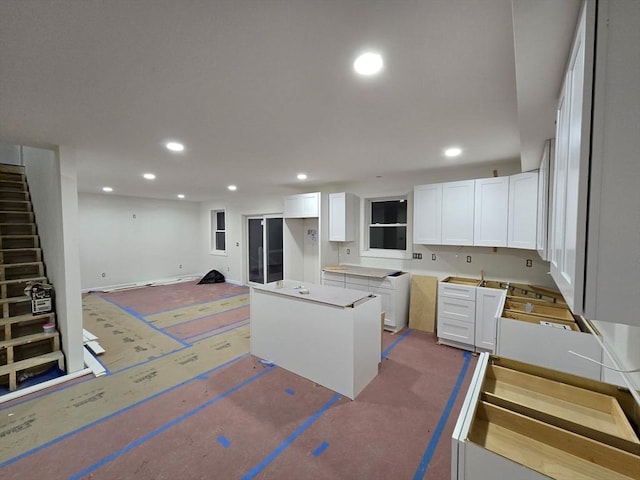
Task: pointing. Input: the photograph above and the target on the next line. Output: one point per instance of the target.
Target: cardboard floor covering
(28, 425)
(179, 315)
(127, 340)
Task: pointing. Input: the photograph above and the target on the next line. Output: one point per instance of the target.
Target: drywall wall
(53, 187)
(134, 240)
(10, 154)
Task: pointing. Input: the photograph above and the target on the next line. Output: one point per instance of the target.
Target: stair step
(20, 255)
(14, 195)
(16, 217)
(11, 177)
(15, 306)
(7, 168)
(12, 369)
(15, 271)
(22, 325)
(25, 340)
(15, 288)
(15, 205)
(10, 242)
(8, 228)
(13, 186)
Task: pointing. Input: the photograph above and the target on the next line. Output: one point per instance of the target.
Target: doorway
(264, 254)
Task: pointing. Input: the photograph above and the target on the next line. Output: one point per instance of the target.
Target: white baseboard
(148, 283)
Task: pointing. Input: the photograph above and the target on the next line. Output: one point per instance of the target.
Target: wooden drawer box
(456, 287)
(524, 422)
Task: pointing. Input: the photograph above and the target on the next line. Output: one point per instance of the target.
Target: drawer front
(333, 283)
(357, 280)
(381, 283)
(456, 330)
(333, 277)
(463, 310)
(456, 291)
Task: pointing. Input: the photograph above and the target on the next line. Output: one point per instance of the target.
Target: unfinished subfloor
(183, 398)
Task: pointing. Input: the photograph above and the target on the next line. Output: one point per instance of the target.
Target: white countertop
(363, 271)
(335, 296)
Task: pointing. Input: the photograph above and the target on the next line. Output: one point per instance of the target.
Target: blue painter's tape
(433, 443)
(289, 440)
(190, 337)
(394, 344)
(319, 449)
(289, 391)
(167, 426)
(116, 413)
(224, 441)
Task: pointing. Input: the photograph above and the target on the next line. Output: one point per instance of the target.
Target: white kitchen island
(329, 335)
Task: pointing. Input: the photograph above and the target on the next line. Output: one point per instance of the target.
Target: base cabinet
(520, 421)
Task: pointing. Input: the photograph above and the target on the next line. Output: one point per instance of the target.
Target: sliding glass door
(265, 258)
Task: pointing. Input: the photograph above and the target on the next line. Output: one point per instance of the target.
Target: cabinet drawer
(333, 283)
(456, 330)
(453, 290)
(464, 310)
(381, 283)
(333, 276)
(356, 280)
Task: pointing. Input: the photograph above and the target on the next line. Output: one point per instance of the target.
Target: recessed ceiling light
(302, 176)
(452, 152)
(149, 176)
(368, 64)
(175, 146)
(180, 195)
(107, 189)
(233, 188)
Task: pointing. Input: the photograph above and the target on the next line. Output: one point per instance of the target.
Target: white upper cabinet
(457, 212)
(571, 172)
(427, 214)
(304, 205)
(545, 199)
(523, 210)
(491, 212)
(343, 215)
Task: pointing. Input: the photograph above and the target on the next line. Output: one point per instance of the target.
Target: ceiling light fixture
(175, 146)
(302, 176)
(181, 195)
(452, 152)
(107, 189)
(149, 176)
(368, 64)
(233, 188)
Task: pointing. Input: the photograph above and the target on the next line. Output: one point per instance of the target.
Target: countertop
(335, 296)
(362, 271)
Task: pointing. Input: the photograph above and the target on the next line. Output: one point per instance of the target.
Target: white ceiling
(259, 90)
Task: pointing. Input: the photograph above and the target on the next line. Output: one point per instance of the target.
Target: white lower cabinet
(523, 422)
(488, 302)
(393, 291)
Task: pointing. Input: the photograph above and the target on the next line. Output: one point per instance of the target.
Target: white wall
(504, 264)
(10, 154)
(133, 240)
(53, 187)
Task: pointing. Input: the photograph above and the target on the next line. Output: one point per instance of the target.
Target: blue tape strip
(289, 391)
(289, 440)
(117, 412)
(208, 315)
(224, 441)
(433, 443)
(320, 449)
(394, 344)
(167, 426)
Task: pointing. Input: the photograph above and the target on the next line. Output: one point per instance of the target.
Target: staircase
(25, 348)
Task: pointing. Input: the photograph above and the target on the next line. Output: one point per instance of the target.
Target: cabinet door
(427, 214)
(305, 205)
(544, 201)
(342, 217)
(523, 210)
(491, 212)
(487, 302)
(457, 212)
(570, 177)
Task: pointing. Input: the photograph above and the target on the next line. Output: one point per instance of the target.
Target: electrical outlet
(104, 274)
(228, 269)
(180, 266)
(529, 262)
(348, 251)
(419, 256)
(468, 258)
(433, 257)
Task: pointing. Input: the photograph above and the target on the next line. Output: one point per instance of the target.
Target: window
(386, 228)
(218, 231)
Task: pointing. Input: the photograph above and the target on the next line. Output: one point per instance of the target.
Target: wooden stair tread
(10, 168)
(35, 337)
(15, 299)
(56, 356)
(26, 264)
(35, 249)
(24, 280)
(46, 317)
